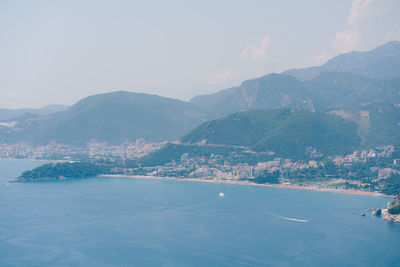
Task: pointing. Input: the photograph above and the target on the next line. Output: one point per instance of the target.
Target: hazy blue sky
(57, 52)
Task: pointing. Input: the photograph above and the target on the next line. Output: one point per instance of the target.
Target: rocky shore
(391, 213)
(390, 217)
(384, 214)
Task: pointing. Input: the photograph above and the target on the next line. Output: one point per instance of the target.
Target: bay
(125, 222)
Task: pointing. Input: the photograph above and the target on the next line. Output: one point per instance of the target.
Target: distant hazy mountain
(6, 114)
(354, 81)
(382, 62)
(270, 91)
(113, 118)
(289, 133)
(345, 90)
(350, 80)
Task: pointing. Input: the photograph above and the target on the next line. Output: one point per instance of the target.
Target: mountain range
(382, 62)
(112, 117)
(349, 102)
(7, 114)
(288, 133)
(350, 80)
(332, 90)
(269, 91)
(300, 134)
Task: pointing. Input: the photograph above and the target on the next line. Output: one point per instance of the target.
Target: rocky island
(392, 211)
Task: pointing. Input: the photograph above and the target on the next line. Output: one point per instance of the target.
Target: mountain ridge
(289, 133)
(118, 116)
(368, 63)
(113, 118)
(269, 91)
(7, 114)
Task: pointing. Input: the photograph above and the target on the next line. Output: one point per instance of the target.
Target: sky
(58, 52)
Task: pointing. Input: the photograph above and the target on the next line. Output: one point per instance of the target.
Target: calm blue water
(108, 222)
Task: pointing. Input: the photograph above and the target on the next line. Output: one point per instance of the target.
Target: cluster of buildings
(126, 150)
(215, 167)
(93, 150)
(26, 151)
(210, 167)
(371, 156)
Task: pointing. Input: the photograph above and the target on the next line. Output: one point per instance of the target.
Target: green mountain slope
(345, 90)
(289, 133)
(378, 123)
(270, 91)
(113, 118)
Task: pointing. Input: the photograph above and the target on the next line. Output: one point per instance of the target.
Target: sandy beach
(296, 187)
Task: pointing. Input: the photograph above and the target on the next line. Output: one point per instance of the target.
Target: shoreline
(295, 187)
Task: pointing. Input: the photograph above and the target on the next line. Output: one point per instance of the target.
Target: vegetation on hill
(267, 92)
(229, 154)
(345, 90)
(121, 116)
(112, 118)
(394, 210)
(289, 133)
(391, 185)
(378, 123)
(55, 171)
(173, 152)
(267, 178)
(384, 127)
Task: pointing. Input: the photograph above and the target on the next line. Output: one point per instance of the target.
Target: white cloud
(362, 15)
(255, 52)
(346, 41)
(363, 10)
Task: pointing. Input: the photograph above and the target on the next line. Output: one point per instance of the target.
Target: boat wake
(288, 218)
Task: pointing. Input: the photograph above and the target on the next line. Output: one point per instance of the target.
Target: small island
(63, 170)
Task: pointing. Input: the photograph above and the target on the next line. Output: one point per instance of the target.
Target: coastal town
(373, 171)
(368, 170)
(92, 150)
(217, 167)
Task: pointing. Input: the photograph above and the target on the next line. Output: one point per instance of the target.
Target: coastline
(295, 187)
(390, 217)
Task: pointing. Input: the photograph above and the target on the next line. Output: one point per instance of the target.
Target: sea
(137, 222)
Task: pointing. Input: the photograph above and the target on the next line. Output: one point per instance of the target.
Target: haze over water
(108, 222)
